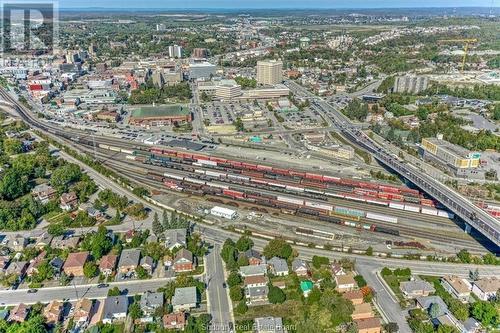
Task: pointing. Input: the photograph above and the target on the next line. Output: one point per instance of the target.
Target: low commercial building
(460, 161)
(275, 92)
(223, 212)
(161, 115)
(227, 90)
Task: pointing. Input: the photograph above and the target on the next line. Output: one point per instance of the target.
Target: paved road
(387, 305)
(75, 292)
(220, 306)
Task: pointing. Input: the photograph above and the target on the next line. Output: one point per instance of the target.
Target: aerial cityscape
(267, 166)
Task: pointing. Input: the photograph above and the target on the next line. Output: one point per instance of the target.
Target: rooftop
(188, 295)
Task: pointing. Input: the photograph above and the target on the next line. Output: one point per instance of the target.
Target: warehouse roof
(172, 110)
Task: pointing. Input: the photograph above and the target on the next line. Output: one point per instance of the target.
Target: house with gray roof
(175, 238)
(256, 294)
(114, 308)
(129, 260)
(150, 301)
(185, 299)
(253, 270)
(416, 288)
(278, 266)
(426, 302)
(300, 267)
(148, 264)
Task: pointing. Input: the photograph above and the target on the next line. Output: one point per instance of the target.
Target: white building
(223, 212)
(486, 288)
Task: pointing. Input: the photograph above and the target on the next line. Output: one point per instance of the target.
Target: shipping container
(381, 217)
(331, 179)
(313, 176)
(112, 148)
(447, 214)
(264, 168)
(313, 191)
(335, 195)
(377, 202)
(319, 205)
(429, 211)
(170, 175)
(217, 185)
(290, 200)
(412, 208)
(349, 211)
(194, 181)
(207, 162)
(396, 205)
(293, 188)
(130, 157)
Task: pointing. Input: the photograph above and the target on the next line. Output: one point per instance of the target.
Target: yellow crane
(466, 41)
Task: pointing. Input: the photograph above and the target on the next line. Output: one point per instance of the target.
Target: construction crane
(466, 41)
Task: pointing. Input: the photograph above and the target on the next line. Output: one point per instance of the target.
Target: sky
(275, 4)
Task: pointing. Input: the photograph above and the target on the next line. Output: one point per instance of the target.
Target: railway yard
(309, 204)
(338, 211)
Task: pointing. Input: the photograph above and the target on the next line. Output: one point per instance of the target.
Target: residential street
(218, 299)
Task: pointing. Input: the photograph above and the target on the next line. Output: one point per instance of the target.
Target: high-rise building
(410, 84)
(200, 53)
(175, 51)
(269, 72)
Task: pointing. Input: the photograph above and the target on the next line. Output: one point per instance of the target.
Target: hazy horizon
(272, 4)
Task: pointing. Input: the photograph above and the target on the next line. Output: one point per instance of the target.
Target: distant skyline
(273, 4)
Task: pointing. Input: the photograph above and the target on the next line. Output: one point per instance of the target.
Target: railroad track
(138, 174)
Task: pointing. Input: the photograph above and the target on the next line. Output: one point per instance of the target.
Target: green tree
(318, 261)
(464, 256)
(114, 292)
(369, 251)
(486, 313)
(90, 269)
(434, 310)
(236, 293)
(278, 248)
(142, 273)
(276, 295)
(12, 146)
(157, 227)
(64, 175)
(233, 279)
(244, 243)
(241, 308)
(135, 311)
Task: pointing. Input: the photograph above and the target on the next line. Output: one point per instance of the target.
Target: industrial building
(456, 159)
(269, 72)
(223, 212)
(160, 115)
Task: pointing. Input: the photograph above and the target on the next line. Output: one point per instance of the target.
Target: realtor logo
(29, 26)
